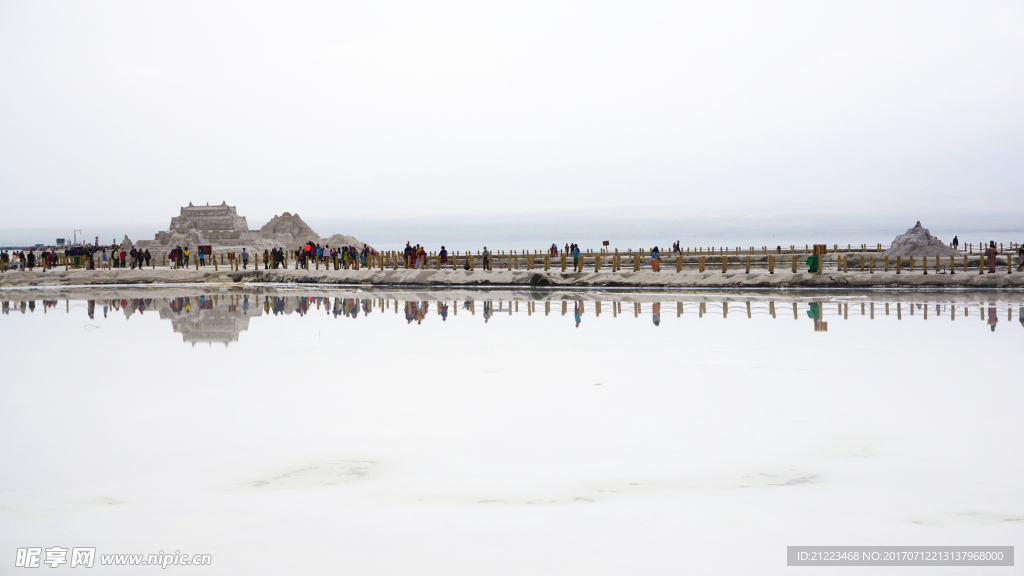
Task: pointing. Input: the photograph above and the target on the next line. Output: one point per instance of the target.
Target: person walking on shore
(576, 263)
(991, 253)
(443, 255)
(147, 256)
(202, 258)
(655, 259)
(1020, 259)
(245, 259)
(184, 256)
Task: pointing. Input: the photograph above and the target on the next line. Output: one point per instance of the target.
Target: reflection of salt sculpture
(209, 319)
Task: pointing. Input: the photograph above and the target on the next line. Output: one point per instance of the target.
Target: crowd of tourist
(309, 254)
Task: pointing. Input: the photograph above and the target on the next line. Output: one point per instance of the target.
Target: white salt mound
(918, 242)
(343, 240)
(288, 229)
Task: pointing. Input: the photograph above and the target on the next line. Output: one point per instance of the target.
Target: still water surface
(478, 432)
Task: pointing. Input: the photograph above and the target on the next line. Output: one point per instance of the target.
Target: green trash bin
(812, 263)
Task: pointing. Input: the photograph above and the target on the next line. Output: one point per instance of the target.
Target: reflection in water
(218, 317)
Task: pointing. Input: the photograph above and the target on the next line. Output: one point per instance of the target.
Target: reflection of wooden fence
(807, 309)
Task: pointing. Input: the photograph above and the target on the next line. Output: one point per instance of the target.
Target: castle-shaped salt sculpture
(213, 225)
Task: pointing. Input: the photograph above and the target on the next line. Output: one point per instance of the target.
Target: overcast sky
(115, 114)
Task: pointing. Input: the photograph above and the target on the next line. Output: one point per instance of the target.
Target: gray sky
(112, 115)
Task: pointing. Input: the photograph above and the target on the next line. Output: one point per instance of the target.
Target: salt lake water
(294, 430)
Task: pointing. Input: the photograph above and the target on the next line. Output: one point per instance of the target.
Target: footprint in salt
(317, 475)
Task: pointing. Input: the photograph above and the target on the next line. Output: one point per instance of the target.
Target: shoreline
(665, 280)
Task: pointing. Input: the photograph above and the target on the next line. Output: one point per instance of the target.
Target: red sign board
(605, 243)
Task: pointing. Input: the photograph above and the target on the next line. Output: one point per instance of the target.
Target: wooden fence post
(794, 264)
(725, 263)
(636, 263)
(748, 264)
(899, 262)
(925, 265)
(679, 263)
(771, 269)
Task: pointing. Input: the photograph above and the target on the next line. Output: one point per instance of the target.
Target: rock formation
(918, 242)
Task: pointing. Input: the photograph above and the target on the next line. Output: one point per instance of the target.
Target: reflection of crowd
(415, 311)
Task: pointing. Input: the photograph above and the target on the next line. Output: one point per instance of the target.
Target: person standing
(407, 253)
(655, 259)
(184, 256)
(576, 264)
(245, 259)
(147, 256)
(487, 259)
(443, 255)
(991, 253)
(1020, 258)
(956, 242)
(202, 258)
